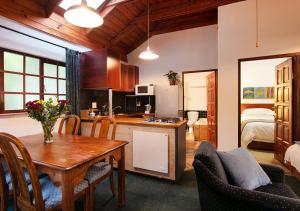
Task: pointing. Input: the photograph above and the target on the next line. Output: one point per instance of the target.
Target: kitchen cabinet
(102, 69)
(129, 77)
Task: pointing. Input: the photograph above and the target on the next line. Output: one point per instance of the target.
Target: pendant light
(148, 54)
(83, 16)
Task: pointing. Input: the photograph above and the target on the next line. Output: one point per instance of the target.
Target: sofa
(217, 192)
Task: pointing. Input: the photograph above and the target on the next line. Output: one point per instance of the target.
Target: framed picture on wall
(258, 93)
(248, 93)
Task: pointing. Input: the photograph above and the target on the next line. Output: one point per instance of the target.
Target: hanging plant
(172, 77)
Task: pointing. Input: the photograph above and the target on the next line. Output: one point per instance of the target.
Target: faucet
(119, 107)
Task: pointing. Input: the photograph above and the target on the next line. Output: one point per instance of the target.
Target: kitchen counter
(140, 121)
(149, 152)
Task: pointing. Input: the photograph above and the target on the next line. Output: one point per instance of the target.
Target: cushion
(280, 189)
(97, 171)
(243, 169)
(209, 157)
(52, 194)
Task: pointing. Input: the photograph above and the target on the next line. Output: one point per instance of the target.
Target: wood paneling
(125, 21)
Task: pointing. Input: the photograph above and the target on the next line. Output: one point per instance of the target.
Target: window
(26, 78)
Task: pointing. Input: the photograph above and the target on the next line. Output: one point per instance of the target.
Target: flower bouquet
(47, 112)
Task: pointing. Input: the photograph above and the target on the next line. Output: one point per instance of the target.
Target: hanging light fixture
(83, 16)
(148, 54)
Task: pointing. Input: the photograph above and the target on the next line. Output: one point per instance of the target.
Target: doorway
(200, 104)
(266, 106)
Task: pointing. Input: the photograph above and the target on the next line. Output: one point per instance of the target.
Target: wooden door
(283, 108)
(212, 108)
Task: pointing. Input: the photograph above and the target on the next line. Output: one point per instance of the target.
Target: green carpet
(150, 194)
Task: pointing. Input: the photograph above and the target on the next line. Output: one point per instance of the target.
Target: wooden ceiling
(125, 21)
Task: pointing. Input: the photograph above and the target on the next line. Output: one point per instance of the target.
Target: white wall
(259, 73)
(20, 125)
(192, 49)
(195, 91)
(279, 33)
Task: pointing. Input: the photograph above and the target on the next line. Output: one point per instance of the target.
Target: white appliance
(148, 109)
(150, 151)
(145, 89)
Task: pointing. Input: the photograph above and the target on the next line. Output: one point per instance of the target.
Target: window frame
(24, 74)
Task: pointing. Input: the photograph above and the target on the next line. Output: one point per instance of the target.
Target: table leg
(67, 192)
(121, 179)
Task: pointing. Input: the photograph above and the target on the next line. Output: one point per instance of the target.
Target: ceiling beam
(104, 11)
(180, 23)
(118, 2)
(31, 14)
(169, 10)
(51, 6)
(183, 23)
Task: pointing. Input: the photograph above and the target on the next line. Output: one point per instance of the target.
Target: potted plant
(172, 77)
(47, 112)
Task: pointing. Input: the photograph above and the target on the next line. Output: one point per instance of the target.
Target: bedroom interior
(261, 115)
(162, 105)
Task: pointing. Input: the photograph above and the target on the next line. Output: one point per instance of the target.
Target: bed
(292, 159)
(257, 128)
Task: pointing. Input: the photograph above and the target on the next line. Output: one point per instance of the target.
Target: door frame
(295, 90)
(216, 87)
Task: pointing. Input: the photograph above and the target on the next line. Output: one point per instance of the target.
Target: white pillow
(264, 111)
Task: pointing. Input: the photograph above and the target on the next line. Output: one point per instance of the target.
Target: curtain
(73, 80)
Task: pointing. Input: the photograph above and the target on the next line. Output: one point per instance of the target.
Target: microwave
(147, 89)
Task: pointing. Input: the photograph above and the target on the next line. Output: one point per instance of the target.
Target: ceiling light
(83, 16)
(148, 54)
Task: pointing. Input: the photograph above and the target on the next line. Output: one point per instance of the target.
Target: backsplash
(101, 97)
(202, 113)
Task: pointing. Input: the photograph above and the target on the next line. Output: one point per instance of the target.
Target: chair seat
(52, 194)
(278, 189)
(97, 171)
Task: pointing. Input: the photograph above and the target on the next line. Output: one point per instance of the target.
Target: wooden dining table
(68, 158)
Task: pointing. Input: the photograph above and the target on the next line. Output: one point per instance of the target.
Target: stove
(162, 120)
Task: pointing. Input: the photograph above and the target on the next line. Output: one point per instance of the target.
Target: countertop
(140, 121)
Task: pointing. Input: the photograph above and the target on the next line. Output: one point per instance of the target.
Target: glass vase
(48, 133)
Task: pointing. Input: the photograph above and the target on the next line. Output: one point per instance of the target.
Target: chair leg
(112, 187)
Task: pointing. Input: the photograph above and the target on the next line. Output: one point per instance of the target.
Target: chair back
(104, 129)
(3, 186)
(72, 123)
(11, 148)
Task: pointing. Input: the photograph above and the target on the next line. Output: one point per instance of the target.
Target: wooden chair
(41, 194)
(72, 123)
(3, 188)
(102, 170)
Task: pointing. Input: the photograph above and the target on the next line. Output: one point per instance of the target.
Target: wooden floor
(191, 147)
(261, 156)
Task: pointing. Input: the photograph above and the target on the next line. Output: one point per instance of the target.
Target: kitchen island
(154, 149)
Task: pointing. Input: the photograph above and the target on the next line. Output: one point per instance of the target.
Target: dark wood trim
(24, 74)
(216, 87)
(296, 86)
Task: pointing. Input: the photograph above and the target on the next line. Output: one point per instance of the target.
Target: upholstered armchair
(216, 191)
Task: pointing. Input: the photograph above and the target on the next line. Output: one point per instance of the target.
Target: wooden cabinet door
(130, 77)
(283, 108)
(211, 108)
